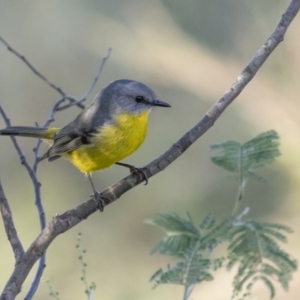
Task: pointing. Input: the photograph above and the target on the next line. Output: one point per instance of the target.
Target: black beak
(157, 102)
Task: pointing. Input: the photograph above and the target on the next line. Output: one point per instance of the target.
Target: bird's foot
(135, 170)
(101, 201)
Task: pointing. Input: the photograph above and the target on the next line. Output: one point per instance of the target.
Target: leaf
(190, 246)
(208, 222)
(254, 248)
(180, 234)
(243, 159)
(227, 155)
(175, 224)
(270, 285)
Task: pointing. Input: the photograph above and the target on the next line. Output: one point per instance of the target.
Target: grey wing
(66, 140)
(78, 132)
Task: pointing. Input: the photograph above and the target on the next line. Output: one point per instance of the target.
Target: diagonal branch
(69, 219)
(72, 101)
(24, 162)
(38, 201)
(83, 98)
(31, 67)
(9, 226)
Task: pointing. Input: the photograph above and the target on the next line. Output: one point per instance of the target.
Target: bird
(111, 128)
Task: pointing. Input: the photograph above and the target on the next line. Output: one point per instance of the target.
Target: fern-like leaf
(191, 247)
(254, 247)
(181, 234)
(242, 159)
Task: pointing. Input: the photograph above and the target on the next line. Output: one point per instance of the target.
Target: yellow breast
(111, 143)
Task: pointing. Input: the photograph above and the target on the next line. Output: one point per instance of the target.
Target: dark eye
(139, 99)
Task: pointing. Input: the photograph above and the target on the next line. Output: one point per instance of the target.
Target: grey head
(127, 95)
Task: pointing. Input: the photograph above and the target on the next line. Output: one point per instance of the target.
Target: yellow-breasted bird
(105, 132)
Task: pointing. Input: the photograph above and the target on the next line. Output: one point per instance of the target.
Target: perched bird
(105, 132)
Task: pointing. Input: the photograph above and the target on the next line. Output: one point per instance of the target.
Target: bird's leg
(97, 196)
(134, 169)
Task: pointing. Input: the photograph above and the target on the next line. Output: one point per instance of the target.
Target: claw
(135, 170)
(100, 200)
(139, 171)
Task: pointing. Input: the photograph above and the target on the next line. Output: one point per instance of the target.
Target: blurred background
(189, 52)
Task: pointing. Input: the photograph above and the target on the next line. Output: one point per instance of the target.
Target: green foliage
(242, 159)
(191, 245)
(253, 246)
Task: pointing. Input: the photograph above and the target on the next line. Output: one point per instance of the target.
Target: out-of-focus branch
(20, 153)
(72, 100)
(69, 219)
(38, 201)
(32, 171)
(83, 98)
(37, 73)
(9, 226)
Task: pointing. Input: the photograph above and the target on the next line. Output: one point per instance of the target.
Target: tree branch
(38, 202)
(69, 219)
(33, 171)
(38, 74)
(72, 100)
(9, 226)
(24, 162)
(83, 98)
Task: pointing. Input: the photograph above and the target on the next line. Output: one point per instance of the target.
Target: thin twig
(9, 226)
(38, 202)
(37, 278)
(37, 73)
(69, 219)
(21, 155)
(33, 69)
(237, 220)
(83, 98)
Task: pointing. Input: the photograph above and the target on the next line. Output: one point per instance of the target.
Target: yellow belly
(111, 144)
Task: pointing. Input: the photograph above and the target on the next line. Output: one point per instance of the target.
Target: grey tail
(36, 132)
